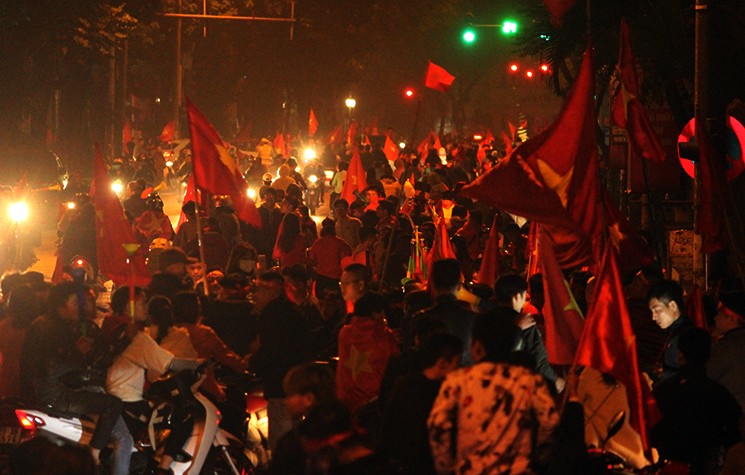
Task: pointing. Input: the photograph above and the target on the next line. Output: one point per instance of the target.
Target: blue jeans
(122, 452)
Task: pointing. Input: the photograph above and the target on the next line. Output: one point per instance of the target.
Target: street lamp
(351, 103)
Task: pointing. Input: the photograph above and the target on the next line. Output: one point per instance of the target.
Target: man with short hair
(354, 281)
(487, 418)
(326, 255)
(281, 344)
(727, 355)
(667, 307)
(404, 431)
(347, 228)
(511, 291)
(455, 314)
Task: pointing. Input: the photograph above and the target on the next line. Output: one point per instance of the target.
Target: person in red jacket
(365, 346)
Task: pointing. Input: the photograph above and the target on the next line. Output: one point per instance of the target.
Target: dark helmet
(154, 202)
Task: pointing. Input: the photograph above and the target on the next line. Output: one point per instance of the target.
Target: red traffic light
(514, 67)
(408, 92)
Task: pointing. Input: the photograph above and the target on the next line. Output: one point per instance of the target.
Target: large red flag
(557, 9)
(113, 231)
(437, 78)
(215, 171)
(608, 342)
(562, 315)
(714, 198)
(390, 150)
(558, 170)
(490, 260)
(166, 135)
(356, 180)
(312, 124)
(628, 111)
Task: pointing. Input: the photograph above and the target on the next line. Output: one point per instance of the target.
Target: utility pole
(179, 93)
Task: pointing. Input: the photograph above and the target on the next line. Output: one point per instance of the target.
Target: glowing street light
(514, 67)
(351, 103)
(529, 74)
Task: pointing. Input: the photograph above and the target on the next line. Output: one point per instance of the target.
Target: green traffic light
(469, 36)
(509, 27)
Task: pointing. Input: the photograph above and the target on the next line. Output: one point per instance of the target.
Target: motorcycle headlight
(312, 178)
(18, 211)
(309, 154)
(117, 187)
(169, 164)
(70, 205)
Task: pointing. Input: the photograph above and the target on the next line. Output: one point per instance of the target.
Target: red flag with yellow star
(356, 180)
(558, 171)
(390, 150)
(113, 231)
(562, 315)
(608, 343)
(215, 171)
(628, 111)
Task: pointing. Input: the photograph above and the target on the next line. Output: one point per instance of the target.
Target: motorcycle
(312, 194)
(210, 450)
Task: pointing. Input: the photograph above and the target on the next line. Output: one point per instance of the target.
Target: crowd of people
(367, 366)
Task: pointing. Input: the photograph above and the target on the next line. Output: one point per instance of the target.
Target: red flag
(627, 241)
(367, 141)
(563, 316)
(558, 169)
(437, 78)
(166, 135)
(126, 135)
(608, 342)
(312, 124)
(215, 171)
(490, 260)
(628, 111)
(356, 180)
(372, 127)
(390, 150)
(507, 141)
(279, 144)
(352, 133)
(695, 308)
(557, 9)
(113, 231)
(189, 195)
(441, 249)
(335, 136)
(713, 197)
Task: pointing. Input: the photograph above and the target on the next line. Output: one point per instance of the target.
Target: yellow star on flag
(572, 304)
(556, 182)
(358, 362)
(226, 158)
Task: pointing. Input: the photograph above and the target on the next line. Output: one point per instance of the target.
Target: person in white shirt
(126, 380)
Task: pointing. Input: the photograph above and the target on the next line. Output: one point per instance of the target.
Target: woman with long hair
(289, 249)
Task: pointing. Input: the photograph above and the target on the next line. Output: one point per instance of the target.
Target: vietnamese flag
(166, 135)
(352, 133)
(335, 136)
(312, 124)
(390, 150)
(557, 9)
(608, 343)
(628, 111)
(490, 260)
(437, 78)
(113, 231)
(558, 169)
(441, 248)
(215, 171)
(356, 180)
(279, 144)
(564, 321)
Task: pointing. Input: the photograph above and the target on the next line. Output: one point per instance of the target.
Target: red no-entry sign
(734, 142)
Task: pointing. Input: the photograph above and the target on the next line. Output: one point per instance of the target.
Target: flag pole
(200, 235)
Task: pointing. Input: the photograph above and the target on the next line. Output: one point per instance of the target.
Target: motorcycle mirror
(615, 425)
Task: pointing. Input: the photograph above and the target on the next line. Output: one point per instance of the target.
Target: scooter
(210, 449)
(312, 194)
